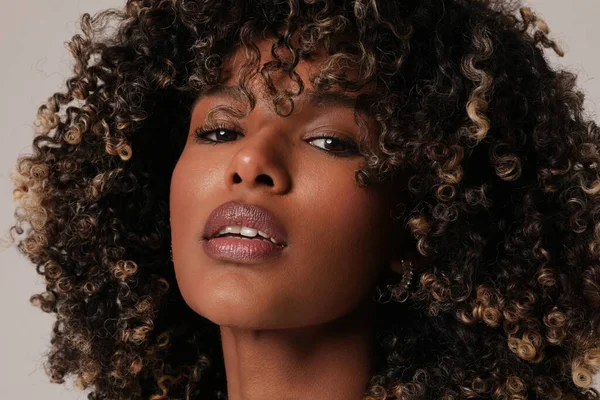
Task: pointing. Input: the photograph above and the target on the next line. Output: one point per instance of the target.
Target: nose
(261, 163)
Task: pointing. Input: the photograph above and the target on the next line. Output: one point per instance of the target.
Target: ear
(404, 251)
(399, 266)
(403, 259)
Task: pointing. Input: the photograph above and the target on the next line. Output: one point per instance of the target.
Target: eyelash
(352, 148)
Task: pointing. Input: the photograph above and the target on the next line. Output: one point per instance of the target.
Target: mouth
(235, 235)
(244, 220)
(240, 249)
(244, 233)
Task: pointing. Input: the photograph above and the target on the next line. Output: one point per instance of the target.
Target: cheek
(342, 250)
(348, 219)
(192, 183)
(186, 186)
(212, 292)
(187, 198)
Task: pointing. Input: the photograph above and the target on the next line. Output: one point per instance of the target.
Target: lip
(246, 250)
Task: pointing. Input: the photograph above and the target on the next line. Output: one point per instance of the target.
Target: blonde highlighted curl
(497, 164)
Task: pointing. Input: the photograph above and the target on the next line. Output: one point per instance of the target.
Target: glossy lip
(239, 213)
(245, 251)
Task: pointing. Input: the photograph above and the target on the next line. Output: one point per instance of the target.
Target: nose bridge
(261, 161)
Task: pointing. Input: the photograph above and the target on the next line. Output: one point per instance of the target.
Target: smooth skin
(298, 326)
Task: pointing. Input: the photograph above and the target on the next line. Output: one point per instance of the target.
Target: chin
(229, 310)
(242, 321)
(247, 316)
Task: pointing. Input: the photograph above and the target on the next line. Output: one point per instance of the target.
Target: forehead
(238, 64)
(234, 64)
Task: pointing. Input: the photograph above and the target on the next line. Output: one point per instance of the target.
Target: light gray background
(35, 64)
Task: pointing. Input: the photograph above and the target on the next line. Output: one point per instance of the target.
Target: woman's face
(338, 234)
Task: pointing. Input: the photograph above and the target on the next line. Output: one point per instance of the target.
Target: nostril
(267, 179)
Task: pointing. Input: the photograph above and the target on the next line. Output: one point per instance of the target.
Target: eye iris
(223, 132)
(338, 145)
(341, 145)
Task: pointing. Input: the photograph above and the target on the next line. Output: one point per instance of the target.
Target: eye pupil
(340, 144)
(223, 132)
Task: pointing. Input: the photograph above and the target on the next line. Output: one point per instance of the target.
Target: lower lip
(249, 251)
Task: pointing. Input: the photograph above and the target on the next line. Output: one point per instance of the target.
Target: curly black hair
(502, 193)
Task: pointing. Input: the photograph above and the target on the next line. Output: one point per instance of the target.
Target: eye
(202, 134)
(336, 146)
(332, 144)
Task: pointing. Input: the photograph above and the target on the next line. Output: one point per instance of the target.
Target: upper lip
(238, 213)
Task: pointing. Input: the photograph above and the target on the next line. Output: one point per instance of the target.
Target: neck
(329, 361)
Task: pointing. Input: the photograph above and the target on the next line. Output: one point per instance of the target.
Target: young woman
(317, 199)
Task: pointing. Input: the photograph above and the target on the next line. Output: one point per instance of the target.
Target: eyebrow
(322, 99)
(230, 92)
(330, 99)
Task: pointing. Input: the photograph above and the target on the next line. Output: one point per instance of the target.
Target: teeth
(248, 232)
(230, 229)
(245, 231)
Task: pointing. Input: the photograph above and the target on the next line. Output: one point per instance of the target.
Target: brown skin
(300, 325)
(514, 275)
